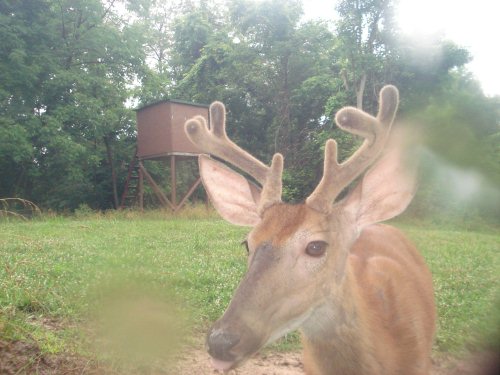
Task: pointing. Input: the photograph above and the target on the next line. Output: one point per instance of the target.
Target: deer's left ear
(385, 191)
(233, 196)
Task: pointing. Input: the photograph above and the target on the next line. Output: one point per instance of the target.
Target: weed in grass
(18, 208)
(188, 212)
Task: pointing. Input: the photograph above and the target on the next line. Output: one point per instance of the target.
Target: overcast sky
(471, 24)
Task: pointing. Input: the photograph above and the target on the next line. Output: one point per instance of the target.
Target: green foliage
(64, 70)
(461, 113)
(367, 47)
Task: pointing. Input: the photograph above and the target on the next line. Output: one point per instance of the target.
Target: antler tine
(271, 191)
(375, 131)
(216, 142)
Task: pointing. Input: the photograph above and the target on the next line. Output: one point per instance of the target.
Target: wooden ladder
(130, 195)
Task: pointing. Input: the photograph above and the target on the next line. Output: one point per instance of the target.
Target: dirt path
(197, 362)
(25, 358)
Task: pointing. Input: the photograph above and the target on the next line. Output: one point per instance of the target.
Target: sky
(474, 25)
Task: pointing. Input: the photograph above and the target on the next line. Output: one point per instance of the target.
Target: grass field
(60, 276)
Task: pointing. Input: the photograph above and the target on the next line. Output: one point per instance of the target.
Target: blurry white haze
(470, 24)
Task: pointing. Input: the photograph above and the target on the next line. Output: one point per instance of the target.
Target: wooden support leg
(188, 194)
(173, 182)
(161, 196)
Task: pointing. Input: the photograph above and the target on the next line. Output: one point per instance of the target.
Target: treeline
(72, 70)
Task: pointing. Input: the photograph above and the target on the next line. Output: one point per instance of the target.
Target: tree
(67, 66)
(461, 125)
(152, 23)
(274, 74)
(365, 33)
(424, 66)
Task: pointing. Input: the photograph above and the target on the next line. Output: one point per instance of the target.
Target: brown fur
(388, 296)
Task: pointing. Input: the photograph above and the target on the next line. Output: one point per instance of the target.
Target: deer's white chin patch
(221, 365)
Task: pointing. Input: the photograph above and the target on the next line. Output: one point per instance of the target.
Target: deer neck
(334, 336)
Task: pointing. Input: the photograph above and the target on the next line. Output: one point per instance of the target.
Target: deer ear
(385, 191)
(233, 196)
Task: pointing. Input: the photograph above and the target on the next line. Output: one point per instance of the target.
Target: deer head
(297, 253)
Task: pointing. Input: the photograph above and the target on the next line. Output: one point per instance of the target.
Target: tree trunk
(284, 126)
(360, 92)
(109, 153)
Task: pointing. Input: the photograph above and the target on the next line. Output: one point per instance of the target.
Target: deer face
(297, 253)
(296, 257)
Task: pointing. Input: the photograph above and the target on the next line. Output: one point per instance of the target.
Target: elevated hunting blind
(161, 137)
(160, 129)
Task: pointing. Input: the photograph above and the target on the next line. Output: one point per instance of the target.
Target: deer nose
(220, 343)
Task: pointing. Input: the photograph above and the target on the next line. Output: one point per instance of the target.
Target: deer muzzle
(229, 345)
(244, 328)
(220, 343)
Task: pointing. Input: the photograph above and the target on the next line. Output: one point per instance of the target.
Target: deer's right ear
(233, 196)
(385, 191)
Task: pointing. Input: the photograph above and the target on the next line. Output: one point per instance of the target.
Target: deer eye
(316, 248)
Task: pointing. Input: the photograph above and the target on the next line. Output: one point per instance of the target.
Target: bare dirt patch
(26, 358)
(482, 363)
(18, 357)
(197, 362)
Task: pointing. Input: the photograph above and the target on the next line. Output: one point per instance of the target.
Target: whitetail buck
(359, 291)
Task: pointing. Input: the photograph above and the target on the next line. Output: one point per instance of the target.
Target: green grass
(465, 268)
(64, 270)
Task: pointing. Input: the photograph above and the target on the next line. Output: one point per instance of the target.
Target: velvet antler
(375, 131)
(216, 142)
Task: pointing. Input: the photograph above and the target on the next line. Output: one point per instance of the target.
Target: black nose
(220, 343)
